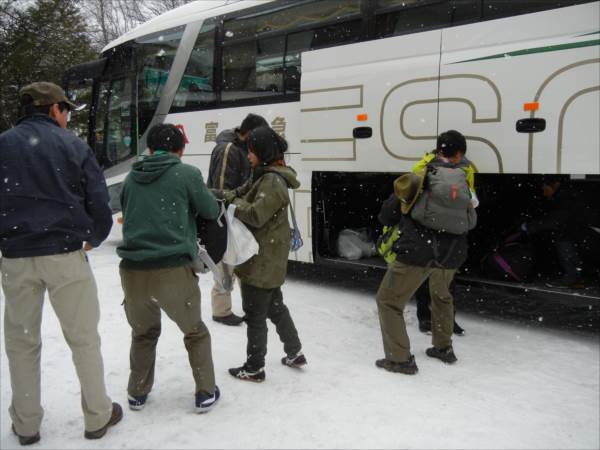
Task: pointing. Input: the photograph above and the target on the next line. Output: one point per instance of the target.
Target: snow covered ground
(513, 386)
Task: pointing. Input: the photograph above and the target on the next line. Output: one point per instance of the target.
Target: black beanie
(450, 143)
(267, 145)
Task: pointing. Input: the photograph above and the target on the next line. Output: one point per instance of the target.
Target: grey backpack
(445, 203)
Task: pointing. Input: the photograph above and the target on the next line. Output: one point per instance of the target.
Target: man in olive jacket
(161, 198)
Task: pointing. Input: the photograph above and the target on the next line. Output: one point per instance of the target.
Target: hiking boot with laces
(444, 354)
(408, 367)
(205, 402)
(248, 374)
(295, 361)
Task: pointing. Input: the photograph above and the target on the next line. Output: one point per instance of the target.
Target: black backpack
(213, 236)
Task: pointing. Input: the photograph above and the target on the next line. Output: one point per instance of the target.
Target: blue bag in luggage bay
(445, 203)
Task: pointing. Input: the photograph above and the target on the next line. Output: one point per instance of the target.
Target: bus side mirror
(534, 125)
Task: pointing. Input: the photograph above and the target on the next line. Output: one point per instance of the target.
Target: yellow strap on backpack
(386, 241)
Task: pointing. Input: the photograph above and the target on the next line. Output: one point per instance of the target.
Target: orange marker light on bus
(532, 106)
(362, 117)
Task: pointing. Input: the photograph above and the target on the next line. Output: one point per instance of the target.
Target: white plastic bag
(241, 245)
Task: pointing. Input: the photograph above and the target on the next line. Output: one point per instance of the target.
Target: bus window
(197, 89)
(294, 16)
(396, 17)
(154, 55)
(269, 65)
(257, 60)
(494, 9)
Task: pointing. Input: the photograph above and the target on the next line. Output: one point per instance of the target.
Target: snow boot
(115, 417)
(26, 440)
(445, 354)
(408, 367)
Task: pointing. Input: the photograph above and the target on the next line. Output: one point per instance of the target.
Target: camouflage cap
(45, 93)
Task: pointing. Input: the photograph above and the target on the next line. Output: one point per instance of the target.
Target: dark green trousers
(176, 292)
(260, 304)
(397, 287)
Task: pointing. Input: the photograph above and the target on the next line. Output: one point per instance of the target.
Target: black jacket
(566, 213)
(229, 171)
(421, 246)
(53, 195)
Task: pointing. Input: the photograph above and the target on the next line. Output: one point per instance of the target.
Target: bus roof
(188, 13)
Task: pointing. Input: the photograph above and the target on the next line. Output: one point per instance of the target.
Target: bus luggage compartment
(347, 200)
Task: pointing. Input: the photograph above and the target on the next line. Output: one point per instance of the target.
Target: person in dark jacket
(229, 169)
(451, 147)
(566, 223)
(53, 202)
(421, 254)
(161, 198)
(262, 203)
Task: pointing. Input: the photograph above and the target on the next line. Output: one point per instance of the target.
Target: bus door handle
(362, 132)
(533, 125)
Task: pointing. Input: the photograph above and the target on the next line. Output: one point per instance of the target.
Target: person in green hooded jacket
(161, 199)
(261, 203)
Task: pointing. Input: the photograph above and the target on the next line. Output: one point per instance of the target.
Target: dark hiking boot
(458, 330)
(408, 367)
(231, 320)
(296, 361)
(445, 354)
(26, 440)
(248, 374)
(205, 402)
(425, 326)
(137, 402)
(115, 417)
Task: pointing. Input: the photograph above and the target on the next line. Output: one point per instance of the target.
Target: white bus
(360, 89)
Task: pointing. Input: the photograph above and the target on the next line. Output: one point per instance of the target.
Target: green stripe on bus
(530, 51)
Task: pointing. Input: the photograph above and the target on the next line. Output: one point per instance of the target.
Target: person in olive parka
(261, 203)
(161, 199)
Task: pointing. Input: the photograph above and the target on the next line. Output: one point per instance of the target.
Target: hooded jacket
(161, 198)
(228, 169)
(53, 195)
(262, 205)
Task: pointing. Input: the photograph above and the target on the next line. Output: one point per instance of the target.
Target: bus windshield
(127, 94)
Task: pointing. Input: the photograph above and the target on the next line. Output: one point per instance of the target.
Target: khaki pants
(397, 287)
(220, 296)
(175, 291)
(72, 291)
